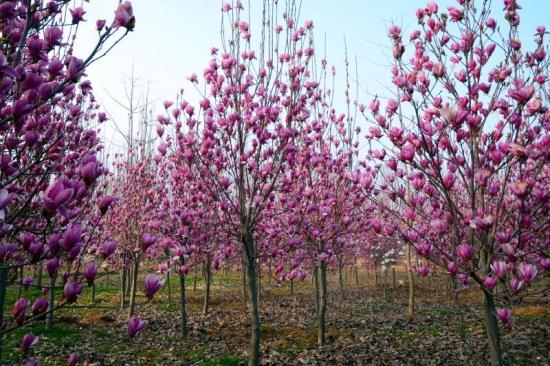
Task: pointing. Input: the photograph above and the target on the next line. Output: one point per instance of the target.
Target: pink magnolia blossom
(136, 326)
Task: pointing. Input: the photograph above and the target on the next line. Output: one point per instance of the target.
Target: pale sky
(172, 40)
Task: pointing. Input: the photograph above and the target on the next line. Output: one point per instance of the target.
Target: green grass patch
(223, 361)
(544, 319)
(291, 350)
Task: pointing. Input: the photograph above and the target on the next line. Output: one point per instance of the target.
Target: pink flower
(491, 23)
(504, 315)
(423, 269)
(71, 237)
(105, 203)
(499, 269)
(464, 252)
(431, 8)
(74, 358)
(52, 265)
(515, 285)
(124, 16)
(28, 341)
(56, 195)
(452, 267)
(71, 291)
(108, 248)
(40, 305)
(490, 282)
(89, 171)
(438, 69)
(100, 24)
(152, 284)
(77, 14)
(90, 273)
(147, 240)
(19, 309)
(136, 325)
(528, 272)
(26, 282)
(394, 32)
(522, 94)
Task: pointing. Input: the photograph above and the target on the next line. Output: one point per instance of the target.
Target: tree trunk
(195, 279)
(321, 336)
(461, 327)
(168, 288)
(356, 273)
(39, 275)
(20, 284)
(410, 308)
(122, 287)
(3, 287)
(259, 280)
(93, 291)
(341, 279)
(491, 326)
(292, 287)
(51, 303)
(183, 306)
(394, 280)
(132, 307)
(243, 270)
(254, 348)
(129, 276)
(207, 278)
(385, 283)
(375, 276)
(316, 282)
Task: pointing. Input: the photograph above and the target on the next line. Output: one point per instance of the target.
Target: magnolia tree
(242, 136)
(49, 145)
(138, 192)
(467, 144)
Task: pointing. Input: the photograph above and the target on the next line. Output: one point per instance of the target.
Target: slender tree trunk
(410, 308)
(254, 350)
(132, 307)
(461, 327)
(93, 291)
(375, 276)
(394, 280)
(356, 273)
(183, 306)
(39, 275)
(3, 287)
(316, 282)
(321, 336)
(195, 279)
(207, 278)
(259, 280)
(292, 287)
(341, 279)
(491, 326)
(19, 285)
(129, 276)
(122, 287)
(168, 287)
(270, 275)
(385, 283)
(51, 303)
(244, 269)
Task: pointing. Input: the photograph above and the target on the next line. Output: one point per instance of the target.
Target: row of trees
(261, 171)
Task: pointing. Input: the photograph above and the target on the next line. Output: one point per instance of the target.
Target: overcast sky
(172, 40)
